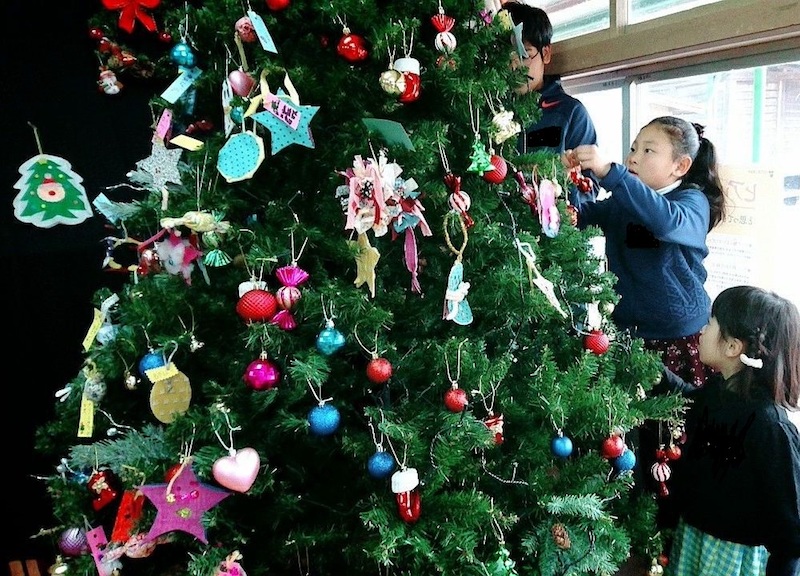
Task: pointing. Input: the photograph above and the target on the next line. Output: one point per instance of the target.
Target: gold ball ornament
(392, 82)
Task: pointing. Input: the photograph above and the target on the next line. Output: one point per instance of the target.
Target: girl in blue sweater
(662, 204)
(738, 481)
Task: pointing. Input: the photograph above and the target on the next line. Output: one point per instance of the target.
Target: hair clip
(752, 362)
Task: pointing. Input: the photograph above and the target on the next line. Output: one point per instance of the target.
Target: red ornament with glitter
(612, 446)
(455, 399)
(379, 370)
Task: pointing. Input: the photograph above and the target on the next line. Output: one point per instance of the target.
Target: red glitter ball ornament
(379, 370)
(612, 446)
(455, 399)
(257, 306)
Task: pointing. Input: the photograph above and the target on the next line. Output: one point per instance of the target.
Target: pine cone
(560, 536)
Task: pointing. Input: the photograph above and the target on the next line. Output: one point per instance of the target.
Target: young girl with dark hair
(738, 483)
(662, 204)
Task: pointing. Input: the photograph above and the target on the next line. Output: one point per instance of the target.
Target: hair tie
(752, 362)
(699, 128)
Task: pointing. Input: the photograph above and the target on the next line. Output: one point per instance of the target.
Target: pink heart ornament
(237, 472)
(241, 82)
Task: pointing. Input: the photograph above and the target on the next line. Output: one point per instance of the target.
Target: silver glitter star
(162, 165)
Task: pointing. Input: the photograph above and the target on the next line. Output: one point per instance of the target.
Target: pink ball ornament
(262, 374)
(73, 542)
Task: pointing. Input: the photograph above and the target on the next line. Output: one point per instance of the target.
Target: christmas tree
(361, 333)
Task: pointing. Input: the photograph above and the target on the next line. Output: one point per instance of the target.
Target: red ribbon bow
(133, 10)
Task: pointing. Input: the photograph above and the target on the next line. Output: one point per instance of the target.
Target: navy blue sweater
(655, 245)
(738, 477)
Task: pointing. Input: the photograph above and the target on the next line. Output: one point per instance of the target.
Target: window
(641, 10)
(752, 116)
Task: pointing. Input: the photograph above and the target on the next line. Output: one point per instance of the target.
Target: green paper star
(162, 165)
(282, 133)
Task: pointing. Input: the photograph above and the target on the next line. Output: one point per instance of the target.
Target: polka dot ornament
(241, 156)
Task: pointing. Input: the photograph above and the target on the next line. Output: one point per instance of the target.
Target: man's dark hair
(536, 26)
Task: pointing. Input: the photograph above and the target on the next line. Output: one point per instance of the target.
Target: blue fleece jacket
(655, 245)
(564, 124)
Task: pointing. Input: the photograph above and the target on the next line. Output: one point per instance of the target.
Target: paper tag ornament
(171, 393)
(50, 193)
(241, 156)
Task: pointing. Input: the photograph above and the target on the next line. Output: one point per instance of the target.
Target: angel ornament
(456, 307)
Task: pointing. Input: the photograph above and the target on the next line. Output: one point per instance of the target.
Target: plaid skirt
(695, 553)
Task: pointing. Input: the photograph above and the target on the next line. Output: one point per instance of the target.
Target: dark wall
(48, 77)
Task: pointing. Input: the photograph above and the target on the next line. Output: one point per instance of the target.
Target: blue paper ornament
(381, 464)
(324, 420)
(330, 340)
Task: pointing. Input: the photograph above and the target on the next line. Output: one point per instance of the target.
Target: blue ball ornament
(625, 461)
(324, 420)
(381, 464)
(561, 446)
(182, 55)
(153, 359)
(330, 340)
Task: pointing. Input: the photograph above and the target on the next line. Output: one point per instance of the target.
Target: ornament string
(374, 352)
(296, 257)
(454, 382)
(224, 410)
(115, 427)
(489, 407)
(328, 315)
(318, 395)
(474, 119)
(36, 137)
(443, 156)
(550, 409)
(459, 252)
(408, 47)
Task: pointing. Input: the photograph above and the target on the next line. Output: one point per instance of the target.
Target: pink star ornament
(181, 504)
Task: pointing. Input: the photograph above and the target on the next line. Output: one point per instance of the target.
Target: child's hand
(587, 157)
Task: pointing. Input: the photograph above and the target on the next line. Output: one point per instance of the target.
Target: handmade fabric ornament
(535, 277)
(177, 255)
(456, 308)
(181, 503)
(50, 193)
(287, 120)
(365, 203)
(549, 217)
(240, 156)
(162, 165)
